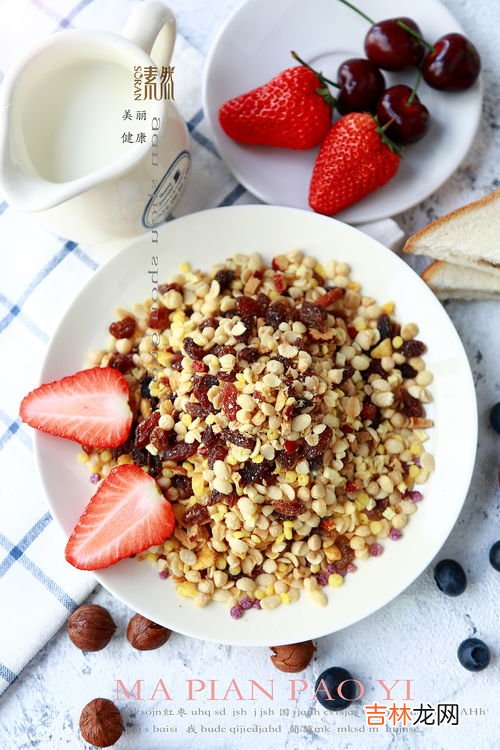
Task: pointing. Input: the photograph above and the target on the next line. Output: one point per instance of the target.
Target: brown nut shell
(91, 627)
(293, 658)
(101, 723)
(146, 635)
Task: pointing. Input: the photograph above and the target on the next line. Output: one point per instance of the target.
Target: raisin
(249, 354)
(276, 313)
(239, 439)
(209, 323)
(289, 508)
(301, 405)
(218, 497)
(330, 297)
(252, 473)
(413, 348)
(160, 438)
(183, 485)
(145, 382)
(312, 315)
(122, 362)
(227, 376)
(324, 442)
(180, 451)
(164, 288)
(126, 447)
(201, 387)
(176, 362)
(245, 337)
(384, 326)
(220, 349)
(224, 278)
(140, 456)
(347, 554)
(347, 373)
(407, 371)
(123, 329)
(229, 394)
(193, 350)
(197, 513)
(375, 514)
(263, 302)
(368, 411)
(208, 437)
(287, 460)
(159, 319)
(247, 307)
(144, 429)
(155, 465)
(218, 452)
(197, 410)
(375, 368)
(412, 407)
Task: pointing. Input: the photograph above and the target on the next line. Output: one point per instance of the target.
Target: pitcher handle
(152, 26)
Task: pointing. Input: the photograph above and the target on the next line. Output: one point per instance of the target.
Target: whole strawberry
(293, 110)
(355, 159)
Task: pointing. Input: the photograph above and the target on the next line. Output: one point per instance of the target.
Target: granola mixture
(281, 411)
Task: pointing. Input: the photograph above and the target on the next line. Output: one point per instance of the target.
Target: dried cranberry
(218, 452)
(174, 287)
(276, 313)
(350, 487)
(197, 410)
(201, 386)
(229, 394)
(347, 429)
(208, 437)
(193, 350)
(412, 407)
(220, 349)
(330, 297)
(384, 326)
(252, 473)
(224, 278)
(324, 442)
(407, 371)
(352, 332)
(312, 315)
(238, 438)
(413, 348)
(199, 366)
(196, 514)
(159, 318)
(218, 497)
(159, 438)
(247, 307)
(287, 460)
(122, 362)
(289, 508)
(249, 354)
(291, 446)
(176, 362)
(209, 323)
(368, 411)
(143, 430)
(180, 451)
(263, 302)
(123, 329)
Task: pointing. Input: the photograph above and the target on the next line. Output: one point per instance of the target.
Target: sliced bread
(451, 281)
(469, 236)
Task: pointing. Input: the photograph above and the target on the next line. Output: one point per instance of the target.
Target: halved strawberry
(127, 514)
(90, 407)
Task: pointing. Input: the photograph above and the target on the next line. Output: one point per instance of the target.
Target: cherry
(391, 46)
(361, 84)
(453, 64)
(410, 117)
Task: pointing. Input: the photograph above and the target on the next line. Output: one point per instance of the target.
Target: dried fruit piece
(312, 315)
(196, 514)
(160, 438)
(412, 407)
(193, 350)
(324, 442)
(159, 319)
(224, 278)
(217, 453)
(123, 329)
(180, 451)
(238, 438)
(331, 296)
(121, 362)
(229, 394)
(252, 473)
(276, 313)
(144, 430)
(289, 508)
(247, 307)
(413, 348)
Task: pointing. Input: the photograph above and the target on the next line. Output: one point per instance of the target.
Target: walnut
(146, 635)
(101, 723)
(294, 657)
(91, 627)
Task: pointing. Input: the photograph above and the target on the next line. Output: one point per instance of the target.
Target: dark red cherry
(453, 65)
(391, 47)
(411, 117)
(361, 84)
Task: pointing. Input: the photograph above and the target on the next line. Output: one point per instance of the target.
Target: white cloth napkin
(39, 276)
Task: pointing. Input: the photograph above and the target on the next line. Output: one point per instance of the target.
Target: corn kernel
(185, 268)
(285, 599)
(381, 449)
(221, 563)
(270, 589)
(414, 471)
(238, 534)
(360, 325)
(259, 594)
(280, 538)
(210, 419)
(258, 459)
(106, 456)
(282, 567)
(335, 580)
(363, 518)
(205, 559)
(231, 460)
(324, 348)
(302, 480)
(376, 527)
(416, 449)
(290, 477)
(186, 419)
(332, 553)
(83, 457)
(353, 286)
(288, 533)
(315, 568)
(241, 378)
(235, 571)
(388, 308)
(274, 434)
(384, 349)
(186, 588)
(170, 545)
(178, 317)
(397, 342)
(363, 498)
(164, 359)
(152, 557)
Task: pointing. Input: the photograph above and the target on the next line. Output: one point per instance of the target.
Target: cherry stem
(358, 11)
(415, 87)
(414, 33)
(320, 75)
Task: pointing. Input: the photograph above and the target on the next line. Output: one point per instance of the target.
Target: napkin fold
(40, 275)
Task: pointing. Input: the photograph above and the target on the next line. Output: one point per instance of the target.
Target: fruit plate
(211, 236)
(254, 45)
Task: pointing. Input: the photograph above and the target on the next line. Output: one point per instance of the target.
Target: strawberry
(293, 110)
(90, 407)
(127, 515)
(355, 159)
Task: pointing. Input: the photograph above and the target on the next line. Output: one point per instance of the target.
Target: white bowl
(210, 236)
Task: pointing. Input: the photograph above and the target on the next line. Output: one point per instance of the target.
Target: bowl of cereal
(299, 396)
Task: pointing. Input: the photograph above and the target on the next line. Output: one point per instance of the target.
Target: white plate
(205, 238)
(254, 45)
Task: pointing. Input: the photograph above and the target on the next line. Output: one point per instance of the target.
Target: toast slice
(469, 236)
(451, 281)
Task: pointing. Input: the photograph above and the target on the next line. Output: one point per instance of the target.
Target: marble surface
(415, 637)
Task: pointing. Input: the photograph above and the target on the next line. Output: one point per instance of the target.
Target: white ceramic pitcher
(65, 154)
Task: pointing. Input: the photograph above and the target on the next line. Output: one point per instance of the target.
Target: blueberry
(332, 678)
(473, 654)
(450, 577)
(495, 417)
(495, 556)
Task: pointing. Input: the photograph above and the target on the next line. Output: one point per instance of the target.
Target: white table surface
(414, 637)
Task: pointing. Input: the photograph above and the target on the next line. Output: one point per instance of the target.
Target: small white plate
(203, 239)
(254, 45)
